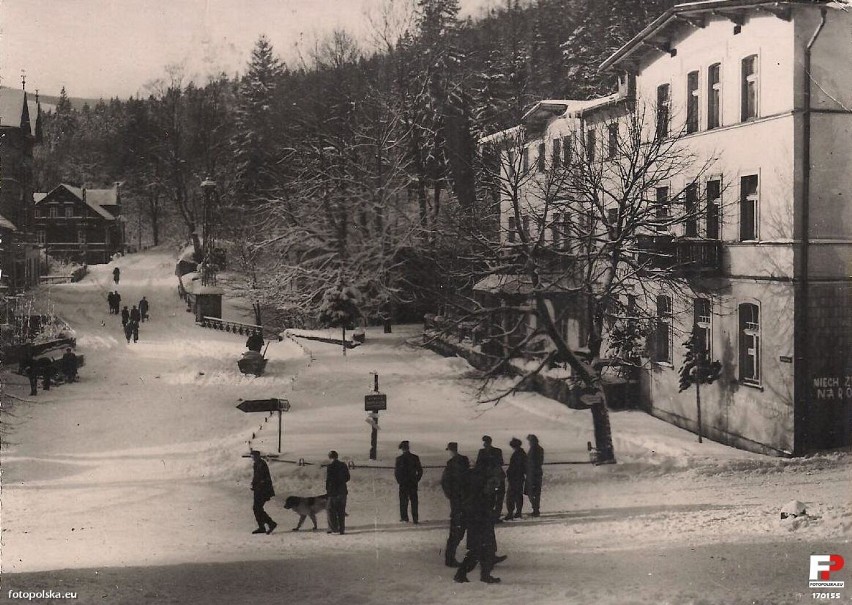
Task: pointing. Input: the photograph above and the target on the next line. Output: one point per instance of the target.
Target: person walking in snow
(143, 309)
(46, 371)
(408, 472)
(117, 299)
(128, 331)
(535, 474)
(492, 457)
(261, 485)
(111, 302)
(31, 370)
(116, 275)
(481, 539)
(515, 475)
(125, 316)
(336, 478)
(453, 481)
(135, 315)
(69, 365)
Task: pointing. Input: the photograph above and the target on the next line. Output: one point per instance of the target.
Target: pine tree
(257, 142)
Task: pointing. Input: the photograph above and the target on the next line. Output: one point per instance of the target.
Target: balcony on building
(683, 255)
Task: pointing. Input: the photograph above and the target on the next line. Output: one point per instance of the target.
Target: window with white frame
(692, 102)
(714, 96)
(661, 209)
(749, 88)
(662, 345)
(664, 100)
(81, 236)
(612, 141)
(53, 212)
(566, 150)
(40, 236)
(690, 209)
(702, 325)
(591, 143)
(749, 200)
(749, 330)
(69, 211)
(713, 214)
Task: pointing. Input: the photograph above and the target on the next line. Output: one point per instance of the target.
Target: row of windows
(748, 335)
(713, 90)
(54, 212)
(700, 222)
(41, 238)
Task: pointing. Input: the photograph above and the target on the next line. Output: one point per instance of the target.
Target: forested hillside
(347, 166)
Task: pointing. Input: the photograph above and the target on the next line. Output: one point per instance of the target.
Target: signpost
(266, 405)
(373, 403)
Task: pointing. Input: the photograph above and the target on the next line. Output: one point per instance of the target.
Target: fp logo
(822, 566)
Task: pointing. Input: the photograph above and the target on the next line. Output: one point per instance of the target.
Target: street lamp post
(208, 187)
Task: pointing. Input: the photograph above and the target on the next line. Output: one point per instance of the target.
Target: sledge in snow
(252, 362)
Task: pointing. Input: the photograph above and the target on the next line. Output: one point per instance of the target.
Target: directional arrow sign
(264, 405)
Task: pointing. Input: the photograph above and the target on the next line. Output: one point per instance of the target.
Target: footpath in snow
(132, 486)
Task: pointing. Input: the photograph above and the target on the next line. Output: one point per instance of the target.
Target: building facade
(79, 224)
(19, 129)
(758, 94)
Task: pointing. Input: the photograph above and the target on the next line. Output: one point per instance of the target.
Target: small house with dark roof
(19, 127)
(80, 224)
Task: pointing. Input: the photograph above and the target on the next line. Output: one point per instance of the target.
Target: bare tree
(588, 234)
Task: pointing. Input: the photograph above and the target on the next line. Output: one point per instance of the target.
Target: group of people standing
(476, 496)
(130, 318)
(45, 368)
(476, 500)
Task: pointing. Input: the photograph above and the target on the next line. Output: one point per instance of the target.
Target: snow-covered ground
(131, 486)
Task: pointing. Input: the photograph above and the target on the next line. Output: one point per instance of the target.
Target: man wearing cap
(515, 474)
(408, 473)
(336, 478)
(453, 482)
(69, 365)
(492, 458)
(261, 485)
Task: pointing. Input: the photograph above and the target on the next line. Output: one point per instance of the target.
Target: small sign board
(375, 402)
(591, 399)
(785, 359)
(264, 405)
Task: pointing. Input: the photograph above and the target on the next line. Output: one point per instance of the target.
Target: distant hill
(48, 102)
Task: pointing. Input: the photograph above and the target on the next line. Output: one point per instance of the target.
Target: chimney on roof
(84, 194)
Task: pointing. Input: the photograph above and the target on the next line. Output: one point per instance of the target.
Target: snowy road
(130, 486)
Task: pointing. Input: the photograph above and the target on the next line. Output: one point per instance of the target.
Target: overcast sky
(114, 47)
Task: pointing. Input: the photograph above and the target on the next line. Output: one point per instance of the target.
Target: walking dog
(306, 507)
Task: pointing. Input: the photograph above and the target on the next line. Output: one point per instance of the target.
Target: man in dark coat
(336, 478)
(111, 301)
(255, 342)
(515, 476)
(46, 371)
(143, 309)
(481, 540)
(135, 315)
(69, 365)
(117, 298)
(261, 485)
(535, 474)
(125, 316)
(493, 458)
(453, 481)
(31, 369)
(116, 275)
(128, 331)
(408, 473)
